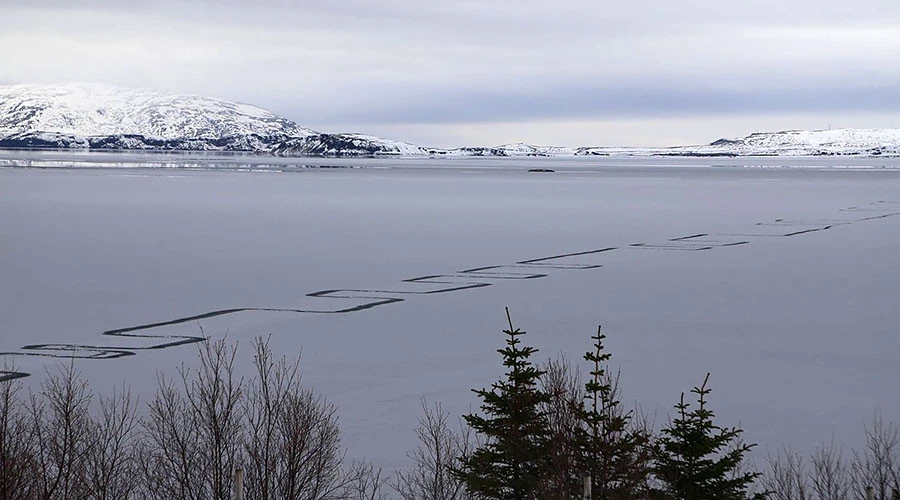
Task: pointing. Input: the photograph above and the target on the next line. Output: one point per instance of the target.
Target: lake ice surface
(799, 332)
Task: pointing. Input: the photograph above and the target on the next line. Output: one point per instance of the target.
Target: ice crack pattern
(129, 340)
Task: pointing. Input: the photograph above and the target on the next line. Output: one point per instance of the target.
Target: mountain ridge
(105, 117)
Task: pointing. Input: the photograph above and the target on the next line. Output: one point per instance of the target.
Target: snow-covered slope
(850, 141)
(853, 141)
(346, 144)
(95, 116)
(93, 110)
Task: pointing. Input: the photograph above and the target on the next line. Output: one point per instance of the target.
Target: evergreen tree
(614, 454)
(696, 459)
(511, 462)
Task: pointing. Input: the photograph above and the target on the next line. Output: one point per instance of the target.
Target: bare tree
(18, 468)
(57, 449)
(439, 448)
(169, 458)
(311, 448)
(644, 425)
(633, 442)
(365, 482)
(111, 467)
(293, 444)
(830, 476)
(264, 445)
(193, 432)
(562, 382)
(214, 397)
(787, 478)
(878, 465)
(61, 429)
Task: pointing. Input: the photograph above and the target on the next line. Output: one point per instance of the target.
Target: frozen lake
(779, 276)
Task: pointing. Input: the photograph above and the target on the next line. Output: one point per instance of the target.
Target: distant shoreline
(599, 152)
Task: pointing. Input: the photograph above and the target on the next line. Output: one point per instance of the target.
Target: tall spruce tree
(695, 459)
(511, 462)
(614, 454)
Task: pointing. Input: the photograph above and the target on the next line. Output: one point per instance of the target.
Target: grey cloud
(580, 100)
(405, 61)
(500, 16)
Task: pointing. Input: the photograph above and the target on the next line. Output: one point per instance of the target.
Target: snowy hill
(858, 142)
(94, 116)
(848, 141)
(92, 110)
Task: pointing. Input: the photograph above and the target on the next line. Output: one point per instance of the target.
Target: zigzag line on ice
(362, 299)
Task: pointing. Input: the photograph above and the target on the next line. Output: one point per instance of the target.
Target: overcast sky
(485, 72)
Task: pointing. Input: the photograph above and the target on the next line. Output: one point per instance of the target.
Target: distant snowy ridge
(516, 149)
(95, 116)
(346, 145)
(847, 141)
(857, 142)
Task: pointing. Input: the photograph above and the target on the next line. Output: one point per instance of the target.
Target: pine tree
(513, 458)
(696, 459)
(614, 454)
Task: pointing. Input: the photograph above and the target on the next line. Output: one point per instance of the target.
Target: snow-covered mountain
(95, 116)
(93, 110)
